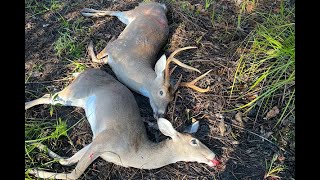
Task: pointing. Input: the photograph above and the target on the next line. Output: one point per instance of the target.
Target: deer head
(161, 91)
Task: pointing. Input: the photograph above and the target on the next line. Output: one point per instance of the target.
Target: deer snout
(213, 161)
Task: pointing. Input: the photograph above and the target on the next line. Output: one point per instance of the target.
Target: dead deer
(133, 54)
(119, 135)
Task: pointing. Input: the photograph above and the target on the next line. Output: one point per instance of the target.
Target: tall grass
(266, 67)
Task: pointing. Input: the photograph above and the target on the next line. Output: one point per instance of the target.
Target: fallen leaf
(268, 134)
(235, 142)
(273, 112)
(222, 127)
(250, 7)
(281, 158)
(218, 115)
(238, 117)
(78, 142)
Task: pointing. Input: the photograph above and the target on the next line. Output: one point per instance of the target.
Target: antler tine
(172, 59)
(179, 50)
(192, 86)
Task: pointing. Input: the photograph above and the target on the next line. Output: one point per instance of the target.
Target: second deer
(132, 56)
(119, 135)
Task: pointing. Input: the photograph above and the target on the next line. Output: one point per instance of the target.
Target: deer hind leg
(64, 161)
(122, 16)
(88, 156)
(101, 57)
(97, 147)
(63, 98)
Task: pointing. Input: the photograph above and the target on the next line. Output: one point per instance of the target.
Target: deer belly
(90, 110)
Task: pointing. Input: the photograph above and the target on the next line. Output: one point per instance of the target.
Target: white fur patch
(90, 108)
(144, 92)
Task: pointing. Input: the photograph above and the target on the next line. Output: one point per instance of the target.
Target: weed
(67, 43)
(207, 4)
(212, 16)
(267, 64)
(273, 170)
(35, 7)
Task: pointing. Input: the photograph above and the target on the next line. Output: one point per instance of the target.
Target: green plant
(67, 43)
(36, 7)
(207, 4)
(267, 64)
(212, 16)
(273, 170)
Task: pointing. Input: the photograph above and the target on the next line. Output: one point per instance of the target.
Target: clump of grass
(267, 65)
(43, 131)
(273, 170)
(207, 4)
(38, 130)
(67, 43)
(39, 7)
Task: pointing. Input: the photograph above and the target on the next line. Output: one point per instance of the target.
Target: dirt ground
(241, 149)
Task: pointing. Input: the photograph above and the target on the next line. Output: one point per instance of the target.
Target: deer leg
(88, 157)
(122, 16)
(46, 99)
(61, 98)
(87, 12)
(95, 150)
(93, 55)
(64, 161)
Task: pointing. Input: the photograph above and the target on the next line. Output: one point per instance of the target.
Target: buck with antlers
(133, 54)
(119, 135)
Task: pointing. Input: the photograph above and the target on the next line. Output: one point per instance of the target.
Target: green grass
(41, 130)
(207, 4)
(267, 65)
(45, 131)
(272, 169)
(36, 7)
(67, 44)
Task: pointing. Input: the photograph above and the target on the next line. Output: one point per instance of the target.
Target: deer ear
(193, 128)
(166, 128)
(160, 66)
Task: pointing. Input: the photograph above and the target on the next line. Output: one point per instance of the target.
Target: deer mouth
(213, 162)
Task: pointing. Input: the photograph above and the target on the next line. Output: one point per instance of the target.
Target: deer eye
(161, 92)
(193, 142)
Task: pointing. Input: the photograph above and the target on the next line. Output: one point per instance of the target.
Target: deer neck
(154, 155)
(147, 81)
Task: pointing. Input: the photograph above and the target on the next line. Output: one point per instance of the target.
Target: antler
(185, 84)
(192, 86)
(172, 59)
